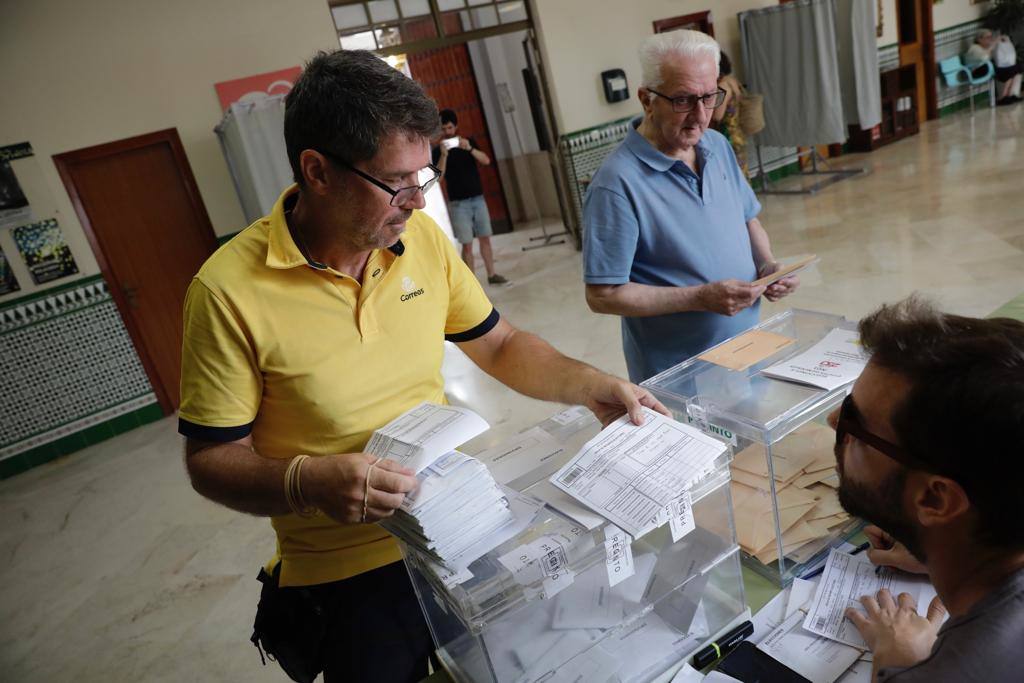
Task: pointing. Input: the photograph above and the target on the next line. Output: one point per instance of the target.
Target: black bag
(291, 626)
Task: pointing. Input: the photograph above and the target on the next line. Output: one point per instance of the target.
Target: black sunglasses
(398, 196)
(849, 422)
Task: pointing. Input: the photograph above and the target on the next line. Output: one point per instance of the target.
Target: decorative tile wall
(66, 363)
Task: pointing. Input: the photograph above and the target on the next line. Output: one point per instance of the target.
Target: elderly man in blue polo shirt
(671, 238)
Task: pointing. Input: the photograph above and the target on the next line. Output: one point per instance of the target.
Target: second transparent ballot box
(784, 479)
(560, 618)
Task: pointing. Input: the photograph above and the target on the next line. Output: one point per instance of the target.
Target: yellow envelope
(747, 349)
(755, 526)
(787, 465)
(802, 533)
(805, 480)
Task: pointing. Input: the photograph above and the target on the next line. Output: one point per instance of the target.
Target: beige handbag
(751, 113)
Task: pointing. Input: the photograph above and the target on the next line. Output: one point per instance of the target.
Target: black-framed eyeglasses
(428, 177)
(685, 103)
(849, 422)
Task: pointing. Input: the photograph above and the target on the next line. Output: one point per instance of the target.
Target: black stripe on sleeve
(475, 333)
(214, 434)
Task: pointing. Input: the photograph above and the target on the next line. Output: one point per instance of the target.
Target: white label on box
(543, 558)
(680, 517)
(618, 554)
(450, 578)
(711, 428)
(556, 582)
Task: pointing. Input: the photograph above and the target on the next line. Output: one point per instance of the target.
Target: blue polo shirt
(649, 219)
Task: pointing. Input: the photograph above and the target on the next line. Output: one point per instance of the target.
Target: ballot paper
(845, 580)
(630, 474)
(836, 360)
(419, 436)
(779, 632)
(520, 454)
(816, 658)
(456, 508)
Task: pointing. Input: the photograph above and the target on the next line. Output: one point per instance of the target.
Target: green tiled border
(75, 442)
(980, 100)
(27, 298)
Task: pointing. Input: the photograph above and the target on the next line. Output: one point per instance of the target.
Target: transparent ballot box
(563, 620)
(784, 479)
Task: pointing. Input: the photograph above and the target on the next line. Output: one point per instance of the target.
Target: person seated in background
(1008, 67)
(928, 448)
(984, 50)
(726, 116)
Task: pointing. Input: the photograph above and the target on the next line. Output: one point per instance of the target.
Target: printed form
(419, 436)
(845, 580)
(630, 475)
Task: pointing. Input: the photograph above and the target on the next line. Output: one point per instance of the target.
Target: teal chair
(957, 75)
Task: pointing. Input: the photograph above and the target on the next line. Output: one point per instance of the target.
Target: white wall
(77, 74)
(952, 12)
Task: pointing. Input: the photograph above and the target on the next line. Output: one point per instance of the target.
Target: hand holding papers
(630, 474)
(418, 437)
(836, 360)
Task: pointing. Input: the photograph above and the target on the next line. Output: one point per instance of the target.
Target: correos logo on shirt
(409, 286)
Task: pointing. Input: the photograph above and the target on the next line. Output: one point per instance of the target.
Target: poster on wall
(14, 206)
(44, 251)
(8, 283)
(256, 87)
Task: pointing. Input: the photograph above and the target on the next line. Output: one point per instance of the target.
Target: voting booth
(549, 605)
(784, 479)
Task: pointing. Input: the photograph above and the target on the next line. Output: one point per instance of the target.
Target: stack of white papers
(419, 436)
(631, 475)
(457, 507)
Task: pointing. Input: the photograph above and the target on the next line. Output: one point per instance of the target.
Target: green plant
(1006, 16)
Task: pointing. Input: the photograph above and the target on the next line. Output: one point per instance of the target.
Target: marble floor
(112, 569)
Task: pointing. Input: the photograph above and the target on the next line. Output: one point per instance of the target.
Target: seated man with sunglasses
(322, 322)
(671, 239)
(929, 448)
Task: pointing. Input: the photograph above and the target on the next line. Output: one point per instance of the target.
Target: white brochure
(630, 474)
(421, 435)
(845, 580)
(836, 360)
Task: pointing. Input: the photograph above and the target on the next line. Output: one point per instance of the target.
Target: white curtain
(252, 137)
(858, 62)
(790, 57)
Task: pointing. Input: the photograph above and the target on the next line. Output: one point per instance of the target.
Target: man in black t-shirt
(457, 157)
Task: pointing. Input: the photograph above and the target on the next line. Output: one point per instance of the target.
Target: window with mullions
(384, 24)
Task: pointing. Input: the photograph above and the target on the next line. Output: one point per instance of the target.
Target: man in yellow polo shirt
(322, 322)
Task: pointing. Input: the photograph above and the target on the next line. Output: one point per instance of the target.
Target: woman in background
(726, 117)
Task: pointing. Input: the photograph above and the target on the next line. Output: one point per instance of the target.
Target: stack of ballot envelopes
(804, 469)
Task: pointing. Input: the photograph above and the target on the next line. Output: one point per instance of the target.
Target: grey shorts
(470, 219)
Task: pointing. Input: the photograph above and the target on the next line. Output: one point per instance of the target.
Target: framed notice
(8, 283)
(14, 207)
(44, 250)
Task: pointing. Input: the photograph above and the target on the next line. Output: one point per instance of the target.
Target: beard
(882, 505)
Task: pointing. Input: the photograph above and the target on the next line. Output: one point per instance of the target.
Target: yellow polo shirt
(309, 360)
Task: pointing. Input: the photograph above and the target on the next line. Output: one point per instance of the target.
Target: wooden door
(143, 216)
(446, 75)
(698, 21)
(917, 48)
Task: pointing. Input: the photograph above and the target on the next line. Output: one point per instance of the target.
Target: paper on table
(801, 591)
(814, 657)
(629, 474)
(747, 349)
(860, 672)
(571, 414)
(687, 674)
(719, 677)
(845, 580)
(836, 360)
(786, 271)
(520, 454)
(419, 436)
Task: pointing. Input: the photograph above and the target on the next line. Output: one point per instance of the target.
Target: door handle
(131, 296)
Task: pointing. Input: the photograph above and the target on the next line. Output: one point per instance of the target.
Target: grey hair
(655, 50)
(983, 33)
